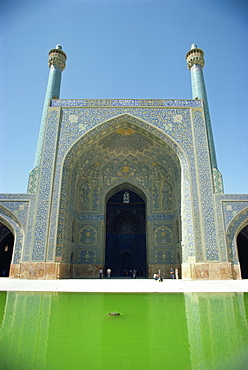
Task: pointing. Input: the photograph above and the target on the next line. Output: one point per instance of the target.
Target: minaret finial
(195, 57)
(57, 58)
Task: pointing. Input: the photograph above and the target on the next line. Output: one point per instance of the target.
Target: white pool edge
(123, 285)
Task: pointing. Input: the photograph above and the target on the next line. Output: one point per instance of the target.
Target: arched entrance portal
(126, 234)
(242, 243)
(6, 249)
(123, 154)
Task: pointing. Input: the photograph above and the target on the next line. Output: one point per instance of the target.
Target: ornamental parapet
(174, 103)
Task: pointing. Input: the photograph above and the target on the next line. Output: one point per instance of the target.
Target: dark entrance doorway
(242, 242)
(6, 249)
(126, 234)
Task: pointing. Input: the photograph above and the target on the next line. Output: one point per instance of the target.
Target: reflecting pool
(153, 331)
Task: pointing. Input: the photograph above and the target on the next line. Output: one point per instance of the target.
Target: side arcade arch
(6, 249)
(242, 246)
(237, 244)
(122, 150)
(11, 242)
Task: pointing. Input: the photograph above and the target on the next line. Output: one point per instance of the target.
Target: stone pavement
(123, 285)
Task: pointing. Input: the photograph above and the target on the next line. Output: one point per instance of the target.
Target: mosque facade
(126, 185)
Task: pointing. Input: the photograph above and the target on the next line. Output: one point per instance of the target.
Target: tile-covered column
(45, 189)
(204, 183)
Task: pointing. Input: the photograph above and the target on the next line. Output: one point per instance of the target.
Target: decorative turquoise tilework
(95, 153)
(232, 216)
(88, 235)
(33, 180)
(164, 257)
(163, 235)
(218, 182)
(45, 189)
(238, 222)
(231, 209)
(204, 174)
(159, 148)
(126, 103)
(160, 217)
(86, 256)
(53, 90)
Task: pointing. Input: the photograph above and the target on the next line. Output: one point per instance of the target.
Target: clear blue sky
(122, 49)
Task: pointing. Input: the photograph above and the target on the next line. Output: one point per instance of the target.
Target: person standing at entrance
(108, 273)
(100, 273)
(176, 273)
(172, 273)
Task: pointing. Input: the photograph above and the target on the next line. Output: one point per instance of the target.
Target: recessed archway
(124, 153)
(6, 249)
(126, 234)
(242, 244)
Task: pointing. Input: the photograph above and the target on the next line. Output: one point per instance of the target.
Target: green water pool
(153, 331)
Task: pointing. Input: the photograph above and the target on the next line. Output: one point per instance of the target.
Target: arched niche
(126, 151)
(242, 246)
(237, 225)
(14, 228)
(6, 248)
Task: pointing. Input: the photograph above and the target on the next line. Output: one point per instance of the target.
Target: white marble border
(124, 285)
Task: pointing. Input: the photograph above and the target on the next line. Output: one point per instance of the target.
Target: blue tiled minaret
(195, 63)
(56, 62)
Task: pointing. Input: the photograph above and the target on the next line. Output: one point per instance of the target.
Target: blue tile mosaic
(159, 147)
(125, 103)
